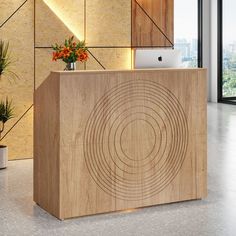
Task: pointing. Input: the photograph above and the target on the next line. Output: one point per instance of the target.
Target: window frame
(200, 33)
(221, 98)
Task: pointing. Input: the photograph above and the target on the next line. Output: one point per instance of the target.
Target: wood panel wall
(105, 25)
(110, 27)
(152, 23)
(17, 26)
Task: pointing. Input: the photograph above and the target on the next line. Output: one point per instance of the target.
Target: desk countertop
(132, 70)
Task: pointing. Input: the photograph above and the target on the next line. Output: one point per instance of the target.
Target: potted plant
(6, 113)
(6, 109)
(70, 52)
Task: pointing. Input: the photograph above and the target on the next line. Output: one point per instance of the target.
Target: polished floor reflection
(213, 216)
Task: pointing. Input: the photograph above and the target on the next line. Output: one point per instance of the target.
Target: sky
(186, 18)
(229, 21)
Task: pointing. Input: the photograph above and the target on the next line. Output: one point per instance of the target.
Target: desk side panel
(201, 138)
(46, 145)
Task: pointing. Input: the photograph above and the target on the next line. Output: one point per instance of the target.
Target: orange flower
(83, 57)
(78, 52)
(66, 51)
(60, 55)
(55, 56)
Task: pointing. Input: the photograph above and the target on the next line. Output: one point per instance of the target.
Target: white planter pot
(3, 157)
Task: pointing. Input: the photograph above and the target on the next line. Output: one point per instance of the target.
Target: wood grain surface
(152, 23)
(116, 140)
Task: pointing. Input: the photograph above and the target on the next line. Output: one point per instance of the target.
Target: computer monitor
(157, 58)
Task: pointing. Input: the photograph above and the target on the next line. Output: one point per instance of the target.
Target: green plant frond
(6, 110)
(6, 61)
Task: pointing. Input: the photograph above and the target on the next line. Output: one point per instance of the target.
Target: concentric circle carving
(135, 140)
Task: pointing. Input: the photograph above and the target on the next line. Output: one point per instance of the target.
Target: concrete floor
(215, 215)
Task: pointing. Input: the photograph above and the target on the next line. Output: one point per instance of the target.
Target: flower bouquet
(70, 52)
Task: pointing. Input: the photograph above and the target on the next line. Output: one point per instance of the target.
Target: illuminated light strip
(58, 11)
(132, 59)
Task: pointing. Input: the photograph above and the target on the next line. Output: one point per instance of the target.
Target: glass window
(186, 31)
(229, 49)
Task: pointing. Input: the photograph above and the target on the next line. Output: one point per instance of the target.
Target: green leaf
(6, 110)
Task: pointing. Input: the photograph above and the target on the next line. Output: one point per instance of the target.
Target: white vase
(3, 157)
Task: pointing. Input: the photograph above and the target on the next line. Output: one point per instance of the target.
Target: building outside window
(186, 31)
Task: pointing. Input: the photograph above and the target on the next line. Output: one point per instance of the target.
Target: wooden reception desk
(114, 140)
